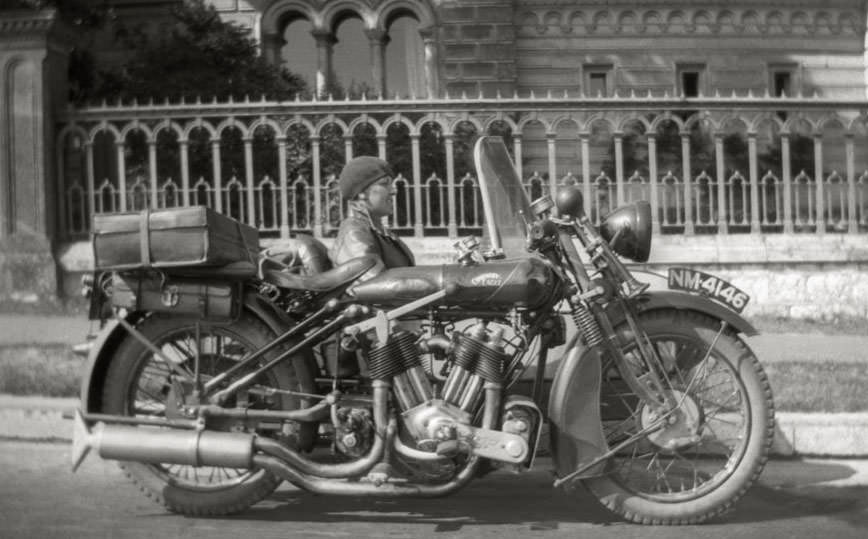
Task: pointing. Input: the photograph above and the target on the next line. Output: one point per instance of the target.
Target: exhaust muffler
(160, 445)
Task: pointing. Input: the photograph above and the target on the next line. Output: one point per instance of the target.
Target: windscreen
(506, 206)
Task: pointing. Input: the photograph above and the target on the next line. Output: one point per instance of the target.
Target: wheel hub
(680, 428)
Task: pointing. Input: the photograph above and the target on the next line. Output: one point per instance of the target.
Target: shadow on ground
(792, 489)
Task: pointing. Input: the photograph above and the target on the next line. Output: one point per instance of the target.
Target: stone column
(432, 66)
(34, 53)
(378, 41)
(270, 45)
(324, 48)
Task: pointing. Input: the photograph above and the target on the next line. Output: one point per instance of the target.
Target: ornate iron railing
(738, 164)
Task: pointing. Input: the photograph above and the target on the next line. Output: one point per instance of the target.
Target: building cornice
(29, 25)
(831, 18)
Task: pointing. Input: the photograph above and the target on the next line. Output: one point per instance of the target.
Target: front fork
(651, 383)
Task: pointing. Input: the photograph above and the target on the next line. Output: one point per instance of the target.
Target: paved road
(40, 498)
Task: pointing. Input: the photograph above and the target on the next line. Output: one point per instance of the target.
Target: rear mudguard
(113, 333)
(574, 403)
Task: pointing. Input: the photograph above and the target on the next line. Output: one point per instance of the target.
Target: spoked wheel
(697, 461)
(139, 383)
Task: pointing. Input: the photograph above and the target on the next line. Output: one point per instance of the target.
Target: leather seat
(327, 281)
(303, 254)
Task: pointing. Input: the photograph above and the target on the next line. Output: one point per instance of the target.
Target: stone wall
(477, 44)
(737, 45)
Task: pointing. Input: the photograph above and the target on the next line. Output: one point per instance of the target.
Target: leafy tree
(200, 55)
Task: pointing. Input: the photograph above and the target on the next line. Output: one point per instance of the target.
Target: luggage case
(214, 301)
(172, 238)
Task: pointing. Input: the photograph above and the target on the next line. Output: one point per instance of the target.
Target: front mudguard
(111, 335)
(576, 429)
(682, 301)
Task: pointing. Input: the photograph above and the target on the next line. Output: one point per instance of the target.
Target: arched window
(405, 58)
(298, 53)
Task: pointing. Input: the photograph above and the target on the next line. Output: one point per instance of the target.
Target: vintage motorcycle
(213, 384)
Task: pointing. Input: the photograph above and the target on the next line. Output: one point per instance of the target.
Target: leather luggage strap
(145, 237)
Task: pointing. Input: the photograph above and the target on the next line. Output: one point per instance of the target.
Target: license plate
(708, 285)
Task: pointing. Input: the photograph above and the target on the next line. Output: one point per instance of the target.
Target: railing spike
(331, 97)
(816, 94)
(515, 93)
(231, 99)
(532, 94)
(766, 94)
(464, 95)
(214, 99)
(750, 93)
(262, 98)
(632, 93)
(566, 94)
(497, 94)
(198, 99)
(549, 93)
(479, 94)
(166, 101)
(446, 95)
(717, 93)
(247, 98)
(364, 96)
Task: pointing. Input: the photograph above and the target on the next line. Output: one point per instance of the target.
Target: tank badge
(487, 279)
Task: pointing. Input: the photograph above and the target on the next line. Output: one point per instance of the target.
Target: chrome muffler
(160, 445)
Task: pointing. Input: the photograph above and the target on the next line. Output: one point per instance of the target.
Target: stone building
(588, 47)
(541, 64)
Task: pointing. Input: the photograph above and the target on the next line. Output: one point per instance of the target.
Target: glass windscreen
(504, 200)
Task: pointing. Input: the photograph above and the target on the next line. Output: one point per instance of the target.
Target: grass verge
(50, 371)
(54, 371)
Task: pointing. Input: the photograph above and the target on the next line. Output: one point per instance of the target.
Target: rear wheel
(138, 383)
(711, 449)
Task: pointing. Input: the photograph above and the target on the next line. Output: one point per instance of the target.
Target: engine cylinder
(389, 359)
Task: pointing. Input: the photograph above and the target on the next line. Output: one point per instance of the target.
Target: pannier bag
(216, 301)
(172, 238)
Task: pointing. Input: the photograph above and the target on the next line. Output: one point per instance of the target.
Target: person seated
(366, 182)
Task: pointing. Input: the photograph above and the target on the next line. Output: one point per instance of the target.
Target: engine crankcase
(442, 427)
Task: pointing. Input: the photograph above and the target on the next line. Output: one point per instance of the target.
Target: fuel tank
(524, 282)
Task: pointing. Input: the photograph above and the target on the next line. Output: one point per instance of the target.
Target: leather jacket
(359, 236)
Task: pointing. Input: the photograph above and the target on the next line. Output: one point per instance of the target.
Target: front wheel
(711, 449)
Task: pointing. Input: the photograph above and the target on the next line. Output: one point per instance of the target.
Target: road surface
(40, 498)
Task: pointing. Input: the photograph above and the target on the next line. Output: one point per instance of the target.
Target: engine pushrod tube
(256, 354)
(385, 431)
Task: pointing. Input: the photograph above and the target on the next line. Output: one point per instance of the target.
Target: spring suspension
(394, 357)
(587, 324)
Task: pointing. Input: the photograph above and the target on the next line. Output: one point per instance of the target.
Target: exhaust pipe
(142, 444)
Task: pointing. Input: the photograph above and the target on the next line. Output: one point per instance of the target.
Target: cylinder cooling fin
(398, 354)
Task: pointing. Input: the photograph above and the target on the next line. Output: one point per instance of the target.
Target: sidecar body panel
(574, 411)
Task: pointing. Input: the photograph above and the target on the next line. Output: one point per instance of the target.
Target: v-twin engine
(444, 425)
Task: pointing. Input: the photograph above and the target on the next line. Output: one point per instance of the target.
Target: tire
(185, 489)
(732, 401)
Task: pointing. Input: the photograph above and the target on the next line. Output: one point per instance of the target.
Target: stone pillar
(378, 40)
(270, 45)
(324, 48)
(432, 62)
(34, 51)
